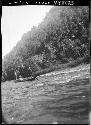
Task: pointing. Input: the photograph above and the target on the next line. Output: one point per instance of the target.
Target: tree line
(61, 38)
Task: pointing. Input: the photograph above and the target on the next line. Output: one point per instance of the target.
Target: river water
(60, 97)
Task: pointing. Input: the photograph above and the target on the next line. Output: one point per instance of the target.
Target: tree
(62, 36)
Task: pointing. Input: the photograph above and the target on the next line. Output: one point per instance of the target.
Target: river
(59, 97)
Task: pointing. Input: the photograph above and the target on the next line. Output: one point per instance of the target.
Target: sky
(17, 20)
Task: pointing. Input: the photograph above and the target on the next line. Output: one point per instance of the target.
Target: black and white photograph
(45, 64)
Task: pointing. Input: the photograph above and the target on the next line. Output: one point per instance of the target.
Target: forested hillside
(61, 38)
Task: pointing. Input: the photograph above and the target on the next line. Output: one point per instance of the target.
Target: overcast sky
(17, 20)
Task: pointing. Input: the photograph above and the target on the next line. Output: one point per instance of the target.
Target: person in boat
(17, 73)
(25, 72)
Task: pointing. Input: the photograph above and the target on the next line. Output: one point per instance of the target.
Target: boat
(32, 78)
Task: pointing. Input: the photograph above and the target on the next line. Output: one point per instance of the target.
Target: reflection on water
(55, 98)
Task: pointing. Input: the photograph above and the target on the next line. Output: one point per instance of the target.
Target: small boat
(32, 78)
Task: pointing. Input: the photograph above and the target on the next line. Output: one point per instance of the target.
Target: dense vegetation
(61, 38)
